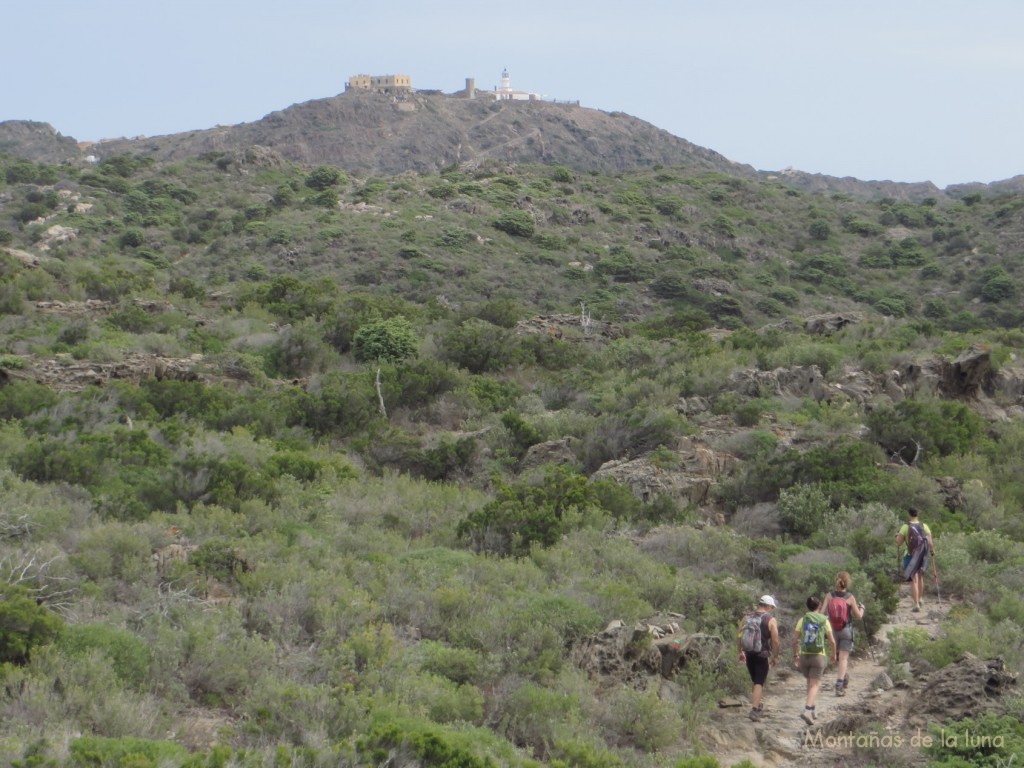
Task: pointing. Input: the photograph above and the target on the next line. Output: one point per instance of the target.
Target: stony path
(781, 739)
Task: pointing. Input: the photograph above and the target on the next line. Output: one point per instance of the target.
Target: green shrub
(20, 399)
(218, 559)
(129, 656)
(523, 434)
(427, 744)
(516, 223)
(562, 175)
(526, 514)
(442, 700)
(622, 266)
(748, 414)
(25, 624)
(802, 509)
(641, 719)
(127, 752)
(916, 430)
(444, 190)
(323, 177)
(132, 238)
(460, 665)
(996, 284)
(820, 230)
(986, 740)
(478, 346)
(455, 238)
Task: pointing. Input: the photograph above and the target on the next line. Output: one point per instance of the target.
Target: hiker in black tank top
(759, 663)
(844, 635)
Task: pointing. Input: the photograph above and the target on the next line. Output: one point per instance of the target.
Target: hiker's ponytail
(842, 581)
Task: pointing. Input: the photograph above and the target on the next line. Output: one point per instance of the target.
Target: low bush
(25, 624)
(127, 752)
(129, 656)
(516, 223)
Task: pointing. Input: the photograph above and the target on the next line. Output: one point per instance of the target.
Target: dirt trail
(781, 739)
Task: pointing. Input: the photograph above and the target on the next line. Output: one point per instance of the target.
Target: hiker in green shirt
(916, 537)
(809, 639)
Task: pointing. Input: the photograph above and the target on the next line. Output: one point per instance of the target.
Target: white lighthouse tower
(504, 92)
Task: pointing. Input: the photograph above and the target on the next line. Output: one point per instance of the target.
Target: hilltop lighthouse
(505, 93)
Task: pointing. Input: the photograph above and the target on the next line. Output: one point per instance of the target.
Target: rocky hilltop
(426, 131)
(38, 141)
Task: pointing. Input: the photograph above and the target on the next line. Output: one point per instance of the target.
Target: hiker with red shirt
(842, 608)
(917, 538)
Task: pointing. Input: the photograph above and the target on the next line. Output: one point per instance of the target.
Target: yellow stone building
(380, 83)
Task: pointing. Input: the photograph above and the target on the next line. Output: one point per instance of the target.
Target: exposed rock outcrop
(968, 687)
(797, 381)
(690, 481)
(643, 654)
(548, 452)
(828, 324)
(568, 327)
(63, 374)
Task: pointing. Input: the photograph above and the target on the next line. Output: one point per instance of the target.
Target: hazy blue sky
(908, 90)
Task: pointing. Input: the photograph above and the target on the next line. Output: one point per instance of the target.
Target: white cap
(767, 600)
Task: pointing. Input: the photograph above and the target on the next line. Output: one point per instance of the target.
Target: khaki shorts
(844, 638)
(812, 665)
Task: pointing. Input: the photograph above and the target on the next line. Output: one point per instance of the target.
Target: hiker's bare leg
(755, 698)
(844, 657)
(813, 683)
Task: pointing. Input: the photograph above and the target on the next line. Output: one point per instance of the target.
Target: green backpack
(813, 631)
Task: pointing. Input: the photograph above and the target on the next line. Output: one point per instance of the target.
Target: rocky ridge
(426, 131)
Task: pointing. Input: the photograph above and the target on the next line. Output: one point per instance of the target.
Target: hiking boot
(807, 717)
(916, 608)
(840, 687)
(754, 714)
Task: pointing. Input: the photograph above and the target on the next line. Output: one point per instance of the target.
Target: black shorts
(757, 666)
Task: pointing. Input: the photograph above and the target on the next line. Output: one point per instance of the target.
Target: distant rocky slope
(37, 141)
(423, 132)
(426, 131)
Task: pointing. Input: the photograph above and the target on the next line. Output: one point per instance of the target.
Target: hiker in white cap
(759, 647)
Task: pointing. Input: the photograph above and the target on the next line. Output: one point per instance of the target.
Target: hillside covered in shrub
(306, 467)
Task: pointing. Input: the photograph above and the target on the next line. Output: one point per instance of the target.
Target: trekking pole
(935, 575)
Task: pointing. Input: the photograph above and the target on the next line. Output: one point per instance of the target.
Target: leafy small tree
(384, 341)
(391, 341)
